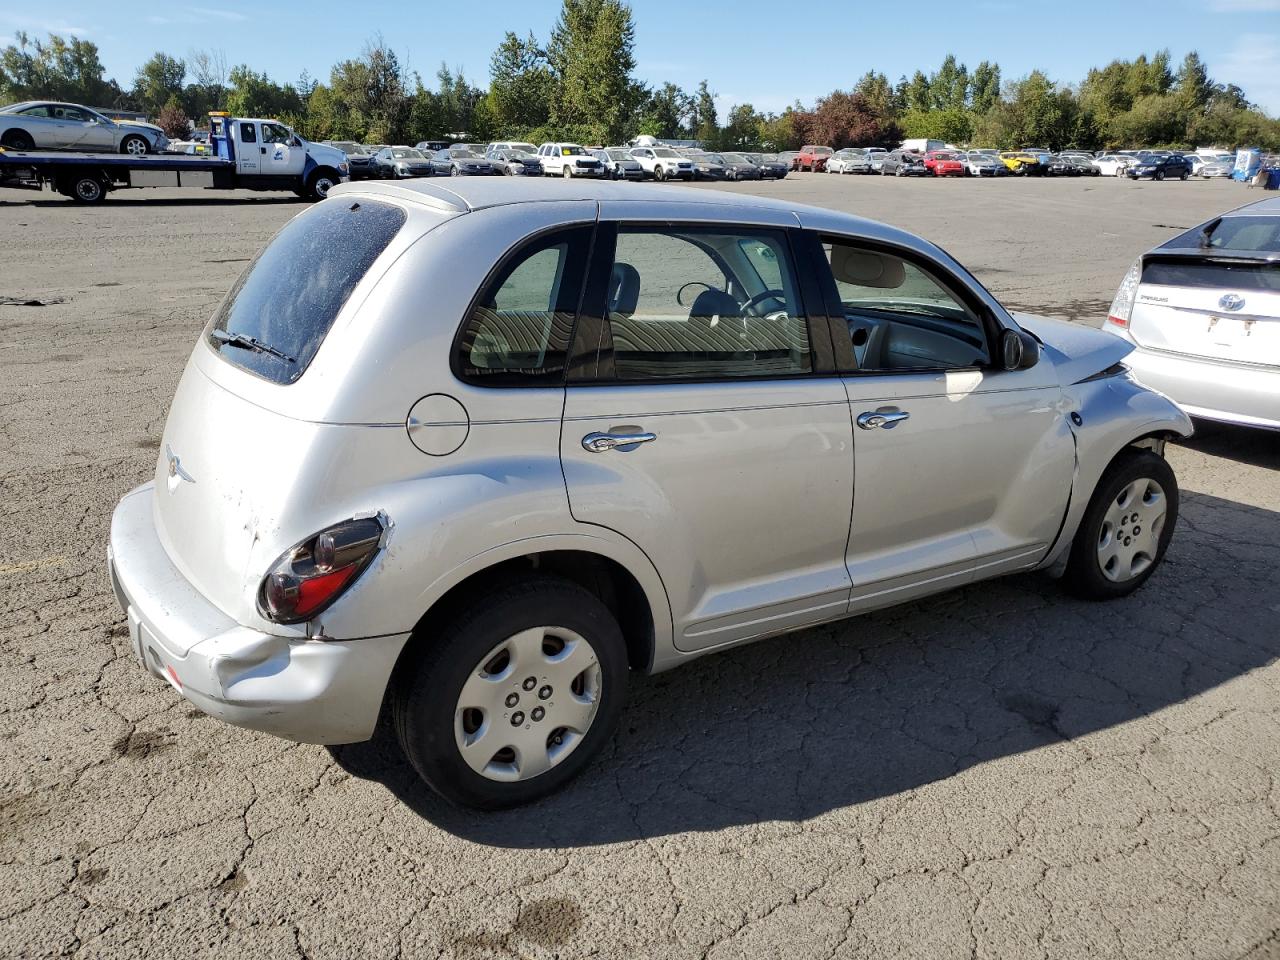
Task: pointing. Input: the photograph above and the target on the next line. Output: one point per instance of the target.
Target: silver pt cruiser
(479, 451)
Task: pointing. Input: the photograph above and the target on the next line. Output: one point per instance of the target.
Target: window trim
(946, 278)
(590, 363)
(519, 251)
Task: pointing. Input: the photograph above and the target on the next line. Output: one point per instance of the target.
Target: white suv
(568, 160)
(663, 163)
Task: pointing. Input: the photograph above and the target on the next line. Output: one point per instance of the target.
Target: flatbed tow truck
(245, 154)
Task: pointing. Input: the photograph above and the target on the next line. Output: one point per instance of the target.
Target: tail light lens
(1122, 306)
(312, 575)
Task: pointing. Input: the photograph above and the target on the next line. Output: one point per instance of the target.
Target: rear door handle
(604, 442)
(888, 419)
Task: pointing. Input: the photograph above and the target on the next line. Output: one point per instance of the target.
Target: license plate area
(1229, 331)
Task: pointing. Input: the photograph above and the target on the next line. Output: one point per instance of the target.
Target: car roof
(468, 194)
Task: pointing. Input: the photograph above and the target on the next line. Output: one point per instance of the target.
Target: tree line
(578, 85)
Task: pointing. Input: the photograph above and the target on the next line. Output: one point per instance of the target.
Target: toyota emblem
(1232, 301)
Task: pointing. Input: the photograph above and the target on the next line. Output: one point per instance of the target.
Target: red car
(944, 163)
(813, 158)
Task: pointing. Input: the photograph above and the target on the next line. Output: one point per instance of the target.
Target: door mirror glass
(1018, 350)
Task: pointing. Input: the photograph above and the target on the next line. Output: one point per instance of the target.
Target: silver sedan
(1203, 313)
(505, 444)
(47, 125)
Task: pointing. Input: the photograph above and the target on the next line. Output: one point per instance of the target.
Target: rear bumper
(312, 691)
(1228, 392)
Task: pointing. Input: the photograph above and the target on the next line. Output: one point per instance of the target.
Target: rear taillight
(1122, 306)
(312, 575)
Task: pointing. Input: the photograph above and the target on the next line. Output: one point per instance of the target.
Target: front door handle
(604, 442)
(882, 418)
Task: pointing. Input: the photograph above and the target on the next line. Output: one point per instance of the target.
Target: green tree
(875, 89)
(521, 85)
(741, 130)
(704, 122)
(590, 52)
(56, 69)
(253, 94)
(1193, 86)
(665, 111)
(949, 87)
(917, 95)
(986, 86)
(158, 81)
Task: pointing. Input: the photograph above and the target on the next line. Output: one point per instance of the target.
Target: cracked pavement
(998, 772)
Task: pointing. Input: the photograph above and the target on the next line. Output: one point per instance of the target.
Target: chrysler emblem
(1232, 301)
(176, 473)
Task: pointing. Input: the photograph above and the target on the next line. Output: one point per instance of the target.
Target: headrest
(865, 268)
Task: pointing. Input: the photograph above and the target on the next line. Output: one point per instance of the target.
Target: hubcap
(1130, 534)
(88, 189)
(136, 147)
(528, 704)
(323, 186)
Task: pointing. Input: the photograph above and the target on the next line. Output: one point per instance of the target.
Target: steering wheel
(691, 283)
(763, 295)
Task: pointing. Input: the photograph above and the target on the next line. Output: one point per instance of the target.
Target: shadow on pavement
(1259, 448)
(790, 728)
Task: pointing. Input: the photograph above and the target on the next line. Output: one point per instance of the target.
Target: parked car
(849, 160)
(618, 163)
(790, 158)
(1060, 166)
(738, 166)
(981, 163)
(513, 162)
(903, 163)
(514, 145)
(663, 163)
(374, 149)
(944, 163)
(568, 160)
(400, 163)
(1211, 166)
(359, 160)
(552, 513)
(50, 125)
(1023, 163)
(458, 161)
(1171, 166)
(813, 158)
(1202, 311)
(877, 155)
(1112, 164)
(706, 166)
(772, 167)
(432, 146)
(1084, 165)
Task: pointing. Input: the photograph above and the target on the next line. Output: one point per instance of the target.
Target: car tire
(1148, 482)
(659, 174)
(1158, 175)
(135, 145)
(18, 140)
(1184, 175)
(454, 171)
(319, 185)
(430, 692)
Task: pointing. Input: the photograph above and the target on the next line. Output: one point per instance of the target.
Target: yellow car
(1019, 161)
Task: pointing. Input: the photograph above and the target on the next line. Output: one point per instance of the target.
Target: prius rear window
(280, 310)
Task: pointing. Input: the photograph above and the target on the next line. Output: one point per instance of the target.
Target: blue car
(1169, 166)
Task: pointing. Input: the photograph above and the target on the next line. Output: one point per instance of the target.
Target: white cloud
(1251, 65)
(38, 27)
(1244, 6)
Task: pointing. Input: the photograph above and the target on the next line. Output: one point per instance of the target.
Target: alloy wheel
(528, 704)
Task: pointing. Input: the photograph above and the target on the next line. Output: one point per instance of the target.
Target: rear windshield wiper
(1206, 235)
(247, 342)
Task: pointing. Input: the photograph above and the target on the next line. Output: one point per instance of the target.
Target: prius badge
(1232, 301)
(176, 473)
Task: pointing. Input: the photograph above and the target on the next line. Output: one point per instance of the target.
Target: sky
(768, 54)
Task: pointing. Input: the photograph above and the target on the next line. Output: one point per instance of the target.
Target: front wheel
(659, 174)
(319, 185)
(1126, 527)
(515, 696)
(567, 172)
(1159, 175)
(135, 146)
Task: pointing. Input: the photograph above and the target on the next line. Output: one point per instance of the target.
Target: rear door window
(280, 310)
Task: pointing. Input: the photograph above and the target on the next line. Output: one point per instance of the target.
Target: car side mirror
(1018, 350)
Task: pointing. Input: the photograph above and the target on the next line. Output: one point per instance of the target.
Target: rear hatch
(248, 465)
(1223, 308)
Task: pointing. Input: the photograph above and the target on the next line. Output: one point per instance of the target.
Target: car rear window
(280, 310)
(1248, 233)
(1195, 272)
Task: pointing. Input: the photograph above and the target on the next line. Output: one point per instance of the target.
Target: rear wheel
(513, 697)
(86, 188)
(18, 140)
(1126, 528)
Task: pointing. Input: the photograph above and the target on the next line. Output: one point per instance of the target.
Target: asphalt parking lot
(1000, 772)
